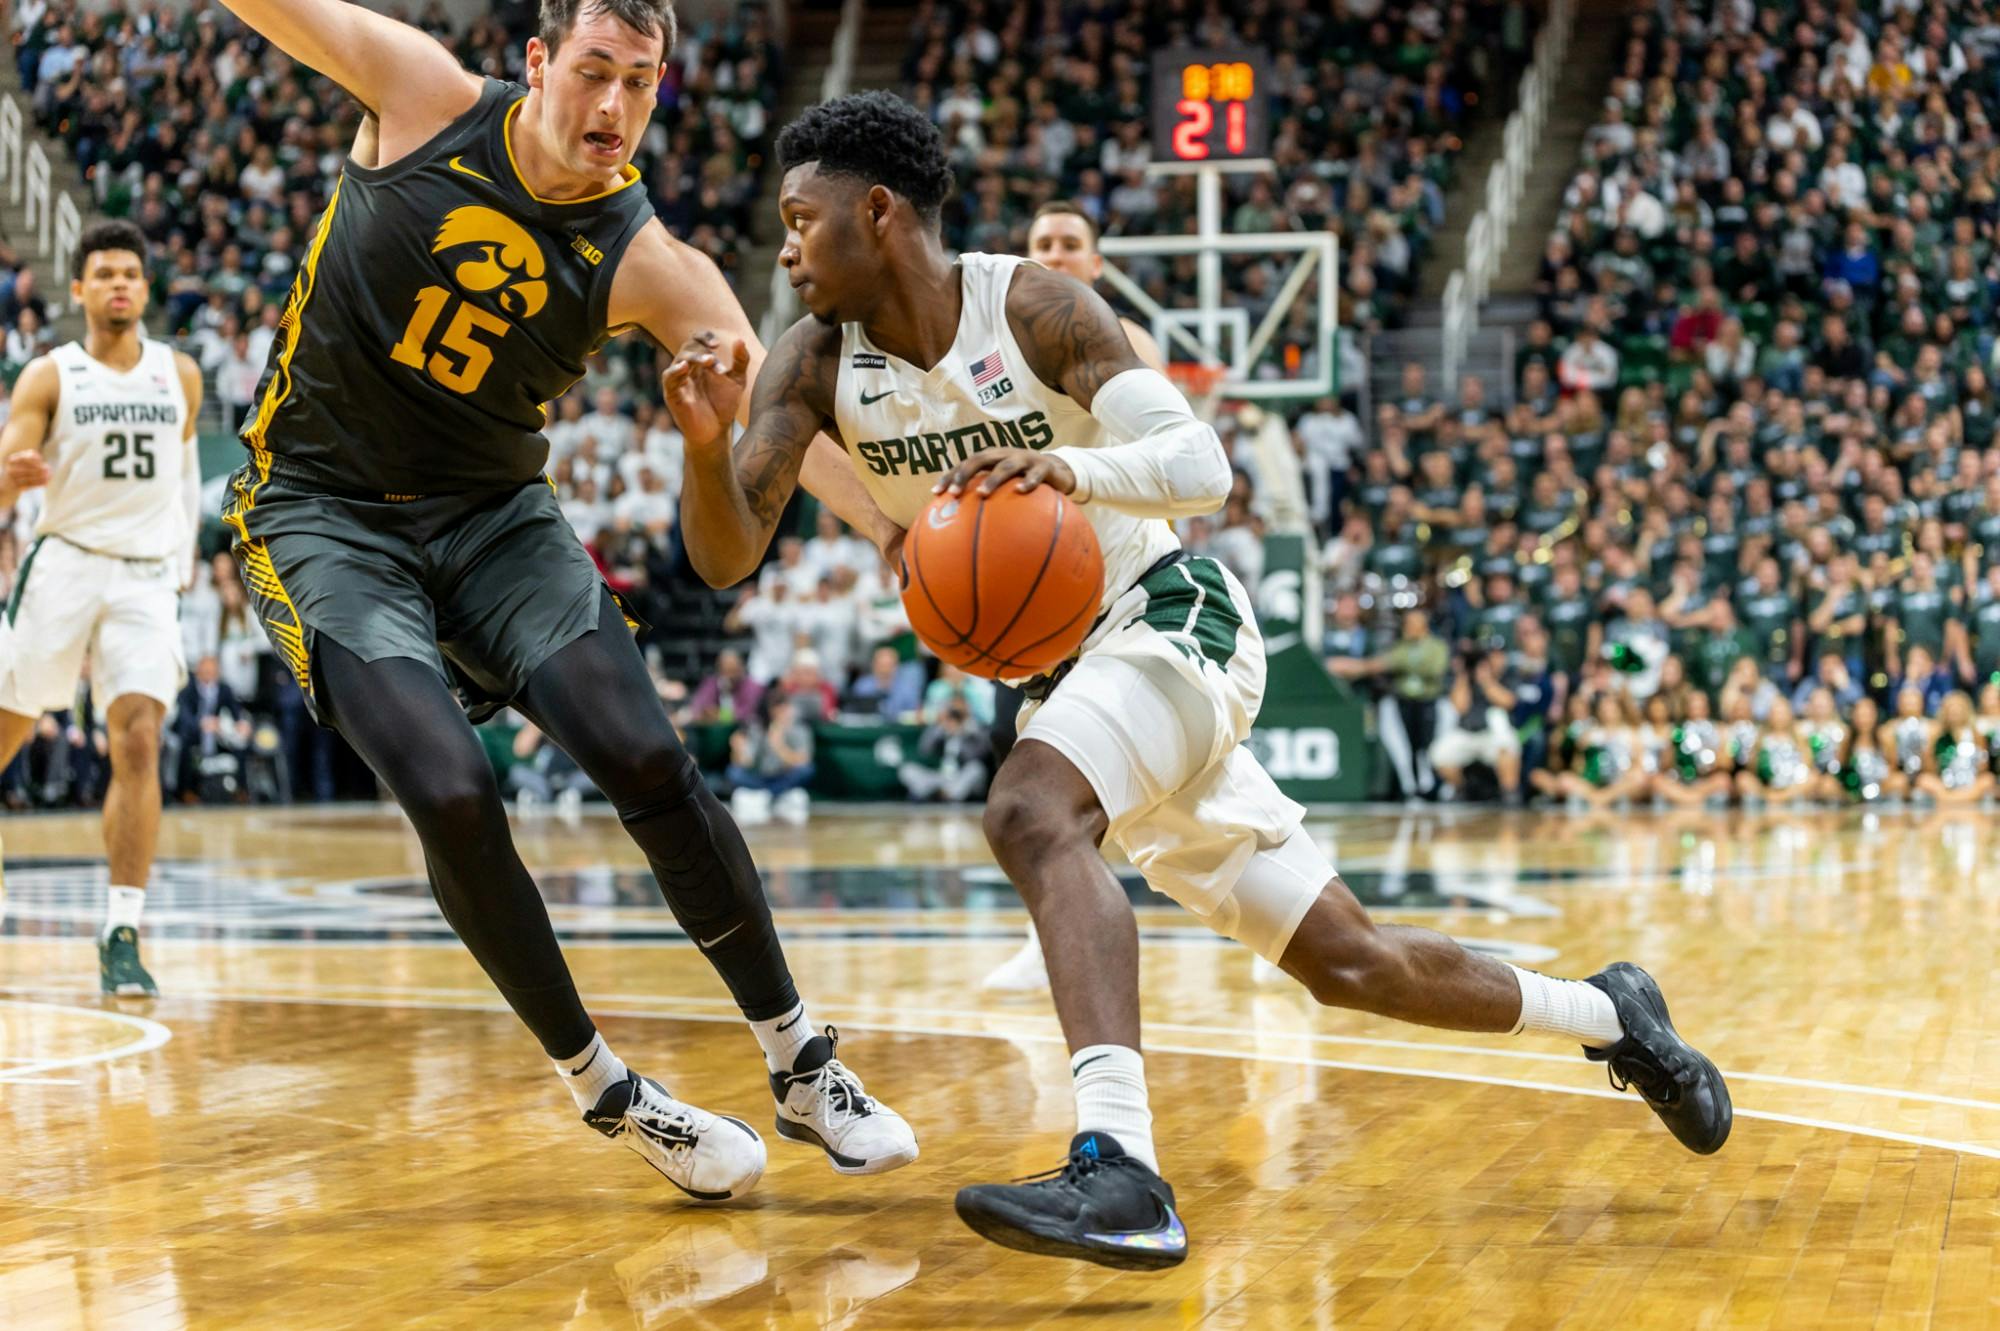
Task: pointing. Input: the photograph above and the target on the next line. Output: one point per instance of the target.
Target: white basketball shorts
(70, 605)
(1154, 714)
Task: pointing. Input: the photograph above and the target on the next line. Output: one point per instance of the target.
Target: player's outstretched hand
(27, 469)
(1025, 467)
(704, 386)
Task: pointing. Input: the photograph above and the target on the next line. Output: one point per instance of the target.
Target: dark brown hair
(655, 18)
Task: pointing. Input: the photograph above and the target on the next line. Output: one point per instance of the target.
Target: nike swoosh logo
(458, 165)
(1094, 1058)
(711, 942)
(582, 1067)
(868, 401)
(785, 1026)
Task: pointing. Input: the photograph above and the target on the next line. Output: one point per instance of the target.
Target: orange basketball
(1003, 585)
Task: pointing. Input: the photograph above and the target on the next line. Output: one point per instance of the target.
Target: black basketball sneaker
(1671, 1075)
(1100, 1205)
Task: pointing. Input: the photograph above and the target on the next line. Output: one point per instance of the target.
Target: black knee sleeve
(711, 885)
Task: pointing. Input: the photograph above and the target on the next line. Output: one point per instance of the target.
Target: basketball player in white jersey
(1063, 239)
(938, 376)
(107, 425)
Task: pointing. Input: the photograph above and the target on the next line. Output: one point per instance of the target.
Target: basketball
(1003, 585)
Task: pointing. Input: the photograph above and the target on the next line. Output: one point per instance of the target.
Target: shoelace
(1659, 1077)
(834, 1085)
(673, 1129)
(1079, 1166)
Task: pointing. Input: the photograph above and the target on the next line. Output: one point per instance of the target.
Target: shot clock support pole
(1208, 220)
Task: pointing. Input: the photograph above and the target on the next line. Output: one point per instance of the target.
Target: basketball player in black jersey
(402, 544)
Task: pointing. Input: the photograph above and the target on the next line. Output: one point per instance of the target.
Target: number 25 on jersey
(464, 352)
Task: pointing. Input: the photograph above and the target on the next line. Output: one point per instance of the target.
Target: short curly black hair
(99, 237)
(877, 137)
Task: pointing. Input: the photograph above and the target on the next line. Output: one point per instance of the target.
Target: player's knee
(453, 800)
(134, 747)
(657, 779)
(1021, 823)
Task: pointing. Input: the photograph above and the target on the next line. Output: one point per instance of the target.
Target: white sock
(1566, 1007)
(123, 906)
(1111, 1098)
(783, 1037)
(590, 1072)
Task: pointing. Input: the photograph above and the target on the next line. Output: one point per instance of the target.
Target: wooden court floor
(329, 1120)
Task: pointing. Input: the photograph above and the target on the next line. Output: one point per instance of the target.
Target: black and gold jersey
(441, 304)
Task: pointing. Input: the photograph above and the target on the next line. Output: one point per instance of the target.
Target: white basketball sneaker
(821, 1103)
(1027, 971)
(710, 1157)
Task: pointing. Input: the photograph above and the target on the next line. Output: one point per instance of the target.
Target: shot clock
(1209, 104)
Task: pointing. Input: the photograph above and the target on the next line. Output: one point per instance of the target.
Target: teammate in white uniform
(1063, 239)
(938, 375)
(108, 426)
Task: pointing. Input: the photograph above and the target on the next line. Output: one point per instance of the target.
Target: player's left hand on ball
(27, 469)
(995, 467)
(704, 386)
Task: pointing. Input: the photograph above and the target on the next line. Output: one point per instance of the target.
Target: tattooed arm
(731, 500)
(1164, 462)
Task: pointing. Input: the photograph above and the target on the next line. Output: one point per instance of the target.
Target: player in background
(107, 425)
(1062, 238)
(935, 372)
(406, 552)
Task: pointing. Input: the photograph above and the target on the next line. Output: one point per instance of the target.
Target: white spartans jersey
(906, 427)
(117, 455)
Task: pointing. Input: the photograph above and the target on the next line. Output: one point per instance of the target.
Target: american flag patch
(986, 369)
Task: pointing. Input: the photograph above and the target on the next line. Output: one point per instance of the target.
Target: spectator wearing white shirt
(1792, 125)
(832, 547)
(773, 621)
(647, 505)
(236, 379)
(791, 569)
(1845, 183)
(1589, 362)
(264, 334)
(566, 429)
(1327, 437)
(611, 427)
(831, 619)
(586, 512)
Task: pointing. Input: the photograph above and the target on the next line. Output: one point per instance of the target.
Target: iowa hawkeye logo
(505, 258)
(941, 451)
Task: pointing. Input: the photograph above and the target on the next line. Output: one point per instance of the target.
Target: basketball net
(1200, 384)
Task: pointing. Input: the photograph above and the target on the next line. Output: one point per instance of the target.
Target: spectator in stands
(214, 730)
(812, 697)
(893, 689)
(952, 755)
(954, 685)
(773, 620)
(770, 764)
(726, 695)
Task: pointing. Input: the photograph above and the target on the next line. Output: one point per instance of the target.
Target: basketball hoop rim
(1195, 379)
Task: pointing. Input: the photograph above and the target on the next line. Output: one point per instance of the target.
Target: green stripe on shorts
(1191, 600)
(21, 579)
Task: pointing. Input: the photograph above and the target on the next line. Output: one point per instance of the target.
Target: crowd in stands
(1738, 534)
(1046, 100)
